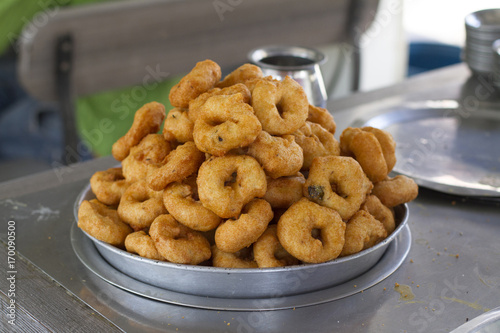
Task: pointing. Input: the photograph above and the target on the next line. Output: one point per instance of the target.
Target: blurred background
(406, 38)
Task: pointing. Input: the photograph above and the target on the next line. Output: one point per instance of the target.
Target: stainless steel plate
(244, 283)
(393, 257)
(448, 149)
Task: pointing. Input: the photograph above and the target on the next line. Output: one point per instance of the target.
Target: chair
(93, 48)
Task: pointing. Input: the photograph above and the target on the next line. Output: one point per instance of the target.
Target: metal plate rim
(87, 191)
(391, 260)
(424, 110)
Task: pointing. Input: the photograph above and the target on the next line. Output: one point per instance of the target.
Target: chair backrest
(117, 44)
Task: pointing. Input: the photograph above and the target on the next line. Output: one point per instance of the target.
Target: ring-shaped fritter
(268, 251)
(102, 222)
(200, 79)
(109, 185)
(296, 229)
(281, 107)
(147, 120)
(150, 151)
(362, 232)
(225, 122)
(179, 164)
(177, 243)
(337, 182)
(140, 205)
(233, 235)
(182, 203)
(279, 156)
(315, 141)
(227, 183)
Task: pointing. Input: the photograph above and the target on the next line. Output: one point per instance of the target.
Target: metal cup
(300, 63)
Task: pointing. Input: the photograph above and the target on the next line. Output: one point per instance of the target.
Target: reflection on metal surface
(449, 149)
(488, 322)
(300, 63)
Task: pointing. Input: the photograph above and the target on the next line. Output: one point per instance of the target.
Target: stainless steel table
(451, 275)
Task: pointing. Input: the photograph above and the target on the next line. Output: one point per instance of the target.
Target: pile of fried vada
(245, 174)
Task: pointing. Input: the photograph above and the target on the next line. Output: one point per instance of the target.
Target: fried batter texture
(296, 227)
(279, 156)
(233, 235)
(281, 107)
(227, 183)
(245, 174)
(181, 201)
(147, 120)
(396, 191)
(363, 231)
(339, 183)
(225, 122)
(109, 185)
(142, 244)
(268, 251)
(202, 77)
(177, 243)
(374, 149)
(102, 222)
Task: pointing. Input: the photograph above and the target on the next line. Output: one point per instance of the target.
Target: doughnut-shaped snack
(225, 122)
(321, 116)
(147, 120)
(380, 212)
(365, 147)
(233, 235)
(337, 182)
(387, 143)
(281, 107)
(241, 74)
(109, 186)
(150, 151)
(202, 77)
(102, 222)
(315, 141)
(284, 191)
(177, 243)
(196, 104)
(227, 183)
(252, 83)
(239, 259)
(181, 201)
(182, 162)
(142, 244)
(362, 232)
(396, 191)
(178, 126)
(268, 251)
(140, 205)
(297, 225)
(279, 156)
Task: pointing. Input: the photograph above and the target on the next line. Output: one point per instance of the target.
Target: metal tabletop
(451, 274)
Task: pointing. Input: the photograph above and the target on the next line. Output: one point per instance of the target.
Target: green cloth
(101, 118)
(105, 117)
